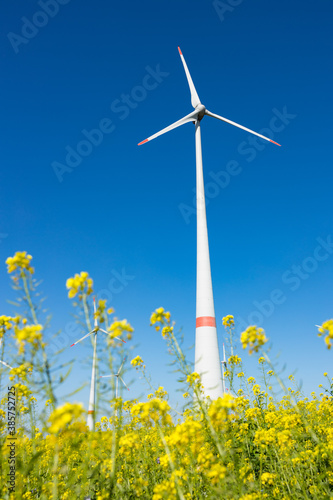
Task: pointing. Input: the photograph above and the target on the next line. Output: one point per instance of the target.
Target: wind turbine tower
(207, 358)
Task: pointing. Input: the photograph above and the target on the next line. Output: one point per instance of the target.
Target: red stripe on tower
(205, 321)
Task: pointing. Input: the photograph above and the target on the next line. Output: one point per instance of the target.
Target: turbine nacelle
(117, 375)
(97, 329)
(199, 112)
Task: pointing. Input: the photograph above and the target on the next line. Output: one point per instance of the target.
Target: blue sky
(114, 209)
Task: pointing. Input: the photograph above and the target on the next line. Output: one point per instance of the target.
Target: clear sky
(78, 199)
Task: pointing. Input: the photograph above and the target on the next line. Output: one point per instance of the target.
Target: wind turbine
(92, 397)
(117, 375)
(207, 359)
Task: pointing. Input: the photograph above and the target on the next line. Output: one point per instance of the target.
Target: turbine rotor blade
(118, 338)
(95, 317)
(109, 333)
(188, 118)
(93, 331)
(106, 376)
(239, 126)
(194, 96)
(124, 383)
(122, 364)
(5, 364)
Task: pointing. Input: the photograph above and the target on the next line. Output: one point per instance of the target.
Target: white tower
(207, 358)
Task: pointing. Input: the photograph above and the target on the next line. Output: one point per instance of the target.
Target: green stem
(49, 389)
(172, 465)
(187, 371)
(86, 311)
(294, 405)
(54, 472)
(27, 296)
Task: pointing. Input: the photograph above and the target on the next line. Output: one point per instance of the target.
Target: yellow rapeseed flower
(256, 389)
(228, 320)
(22, 390)
(216, 473)
(64, 415)
(221, 410)
(154, 410)
(267, 478)
(21, 371)
(20, 261)
(253, 337)
(6, 323)
(29, 333)
(193, 378)
(160, 316)
(79, 283)
(166, 331)
(160, 392)
(327, 330)
(117, 328)
(234, 360)
(137, 361)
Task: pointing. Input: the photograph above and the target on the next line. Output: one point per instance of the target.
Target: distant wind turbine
(207, 359)
(117, 375)
(92, 397)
